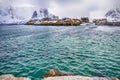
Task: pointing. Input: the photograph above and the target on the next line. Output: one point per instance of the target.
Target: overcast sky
(68, 8)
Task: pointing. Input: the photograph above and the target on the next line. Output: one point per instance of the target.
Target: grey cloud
(72, 8)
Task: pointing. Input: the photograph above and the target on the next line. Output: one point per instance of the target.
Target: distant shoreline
(71, 24)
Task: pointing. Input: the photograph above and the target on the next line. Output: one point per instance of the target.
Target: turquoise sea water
(31, 51)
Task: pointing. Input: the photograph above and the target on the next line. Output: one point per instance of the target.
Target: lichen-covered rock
(11, 77)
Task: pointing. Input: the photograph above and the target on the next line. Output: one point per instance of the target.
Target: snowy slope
(113, 15)
(8, 16)
(15, 15)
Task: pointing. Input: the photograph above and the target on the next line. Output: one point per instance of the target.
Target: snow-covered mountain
(42, 13)
(15, 15)
(113, 15)
(10, 15)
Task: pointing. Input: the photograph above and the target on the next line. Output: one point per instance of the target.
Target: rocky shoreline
(105, 22)
(57, 75)
(12, 77)
(70, 22)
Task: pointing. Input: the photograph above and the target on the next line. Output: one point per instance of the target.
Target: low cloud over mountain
(68, 8)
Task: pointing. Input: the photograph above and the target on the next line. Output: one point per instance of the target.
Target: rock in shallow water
(11, 77)
(78, 78)
(57, 75)
(54, 72)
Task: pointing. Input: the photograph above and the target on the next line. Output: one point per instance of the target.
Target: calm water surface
(31, 51)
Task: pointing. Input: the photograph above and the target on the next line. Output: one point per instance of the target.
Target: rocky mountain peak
(113, 14)
(35, 14)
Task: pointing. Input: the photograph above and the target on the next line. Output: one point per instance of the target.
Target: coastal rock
(85, 19)
(58, 75)
(11, 77)
(78, 78)
(49, 22)
(53, 73)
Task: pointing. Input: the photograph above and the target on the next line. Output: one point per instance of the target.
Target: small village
(69, 22)
(58, 22)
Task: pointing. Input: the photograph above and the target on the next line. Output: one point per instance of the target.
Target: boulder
(53, 73)
(11, 77)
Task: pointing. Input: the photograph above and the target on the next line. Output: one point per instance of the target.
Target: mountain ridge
(113, 15)
(11, 15)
